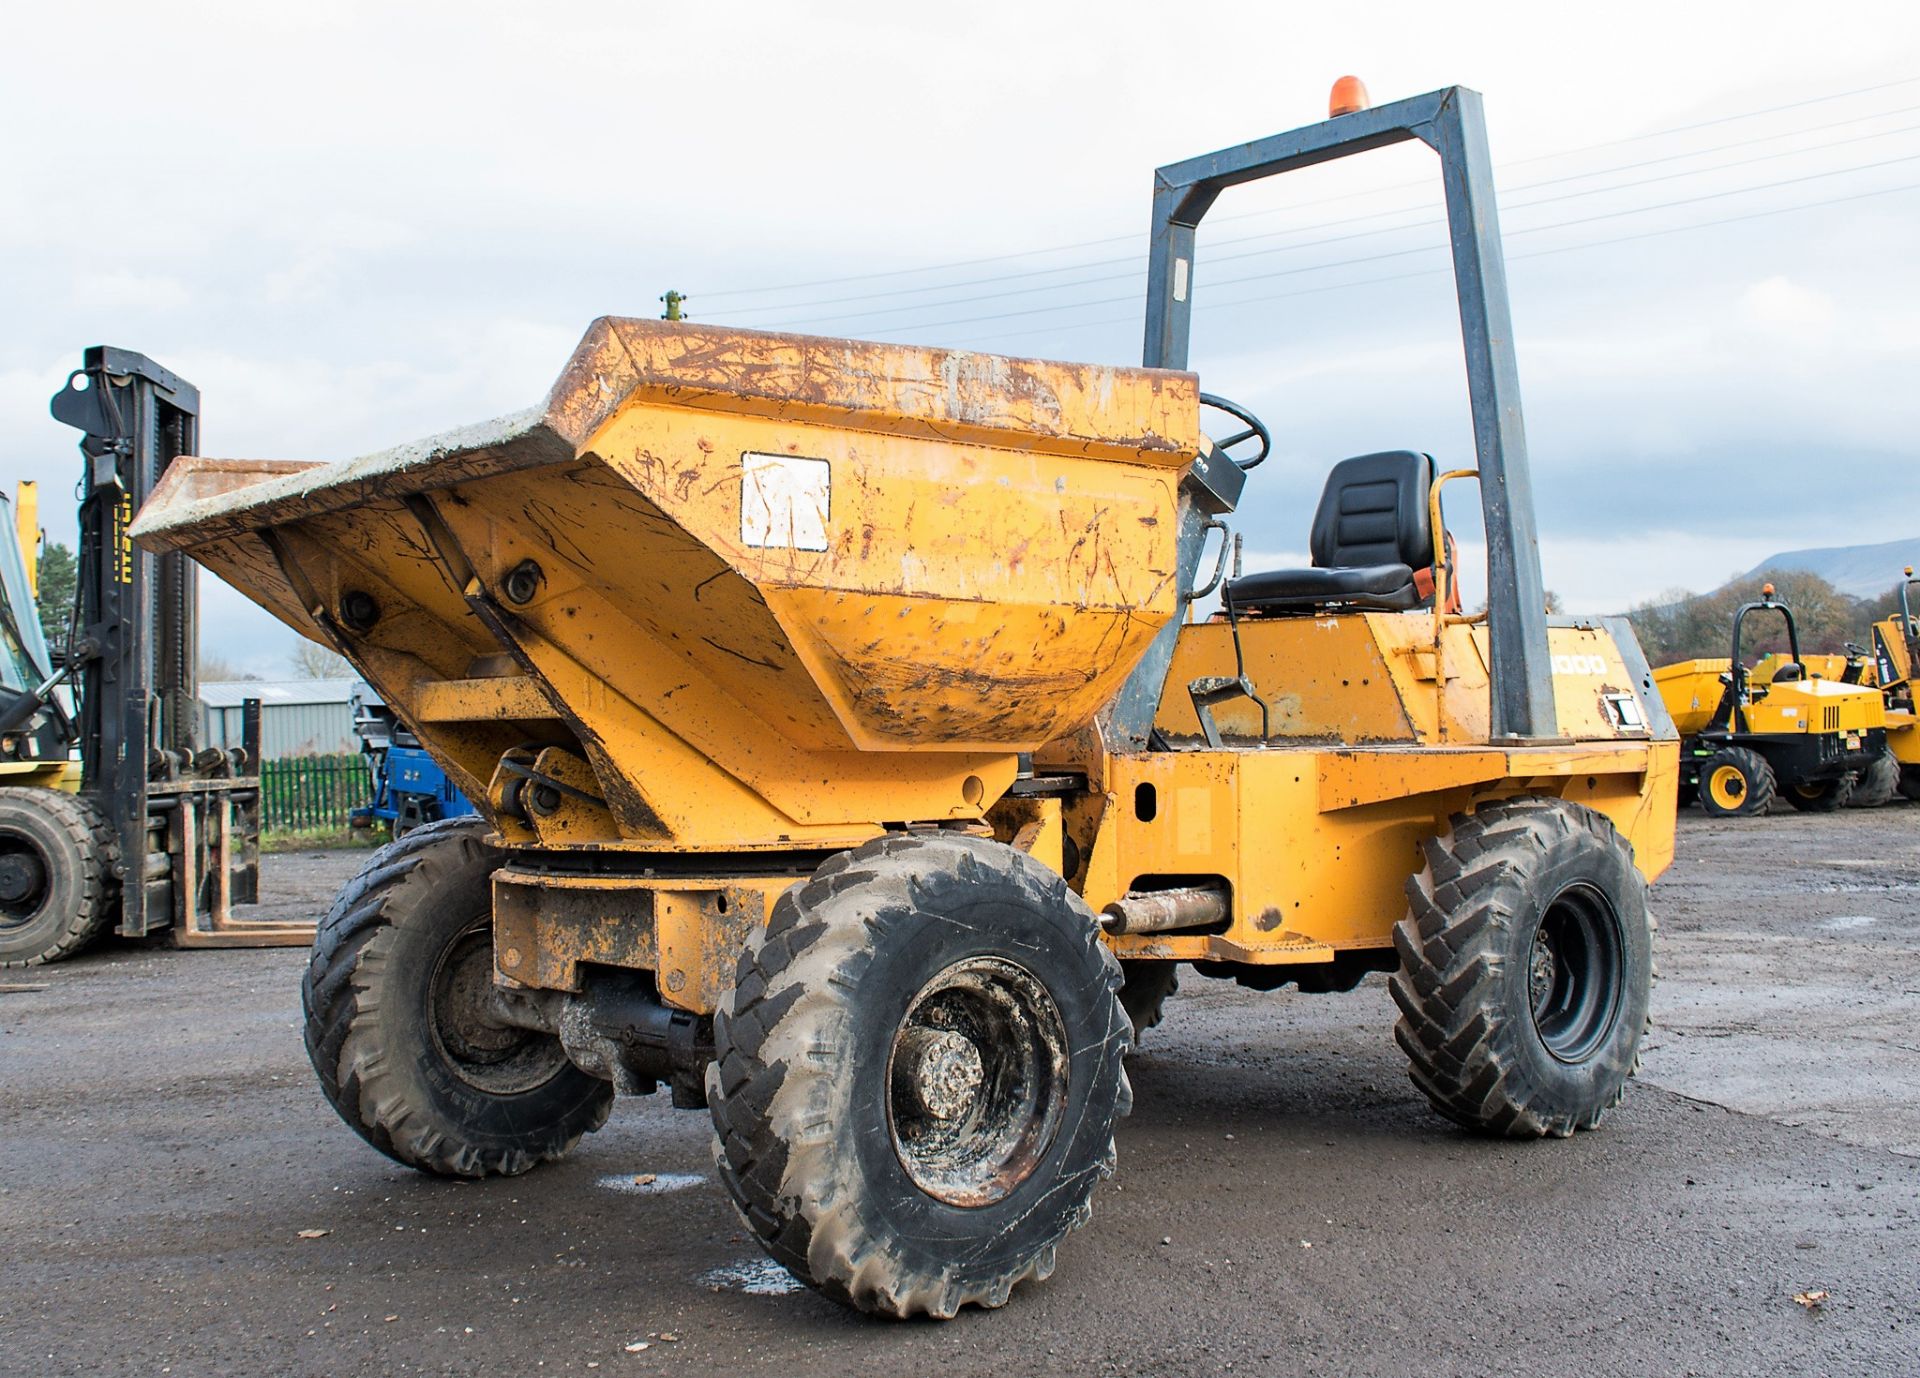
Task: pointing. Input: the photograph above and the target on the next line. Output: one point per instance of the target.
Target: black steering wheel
(1256, 429)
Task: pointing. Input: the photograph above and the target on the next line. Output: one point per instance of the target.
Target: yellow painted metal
(730, 592)
(1317, 844)
(1903, 735)
(45, 774)
(26, 529)
(786, 589)
(1367, 678)
(687, 929)
(1693, 690)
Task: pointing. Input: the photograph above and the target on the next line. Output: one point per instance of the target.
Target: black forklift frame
(1451, 122)
(186, 819)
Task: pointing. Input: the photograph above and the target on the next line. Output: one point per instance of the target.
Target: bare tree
(311, 660)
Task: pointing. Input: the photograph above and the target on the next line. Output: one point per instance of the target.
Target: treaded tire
(1823, 796)
(1757, 786)
(1877, 784)
(378, 1031)
(1144, 991)
(67, 891)
(804, 1095)
(1479, 1045)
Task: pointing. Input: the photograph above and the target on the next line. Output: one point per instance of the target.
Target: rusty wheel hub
(484, 1051)
(977, 1081)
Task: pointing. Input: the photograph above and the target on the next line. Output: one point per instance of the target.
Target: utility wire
(1114, 239)
(1201, 305)
(1137, 266)
(1137, 262)
(1430, 248)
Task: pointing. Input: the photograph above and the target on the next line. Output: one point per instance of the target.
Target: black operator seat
(1371, 533)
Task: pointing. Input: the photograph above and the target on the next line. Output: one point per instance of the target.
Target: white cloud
(125, 290)
(1780, 305)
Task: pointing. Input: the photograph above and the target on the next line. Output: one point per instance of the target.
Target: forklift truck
(153, 833)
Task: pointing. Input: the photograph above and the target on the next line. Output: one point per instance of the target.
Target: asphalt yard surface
(176, 1198)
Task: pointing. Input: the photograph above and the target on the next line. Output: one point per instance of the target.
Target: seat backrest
(1374, 512)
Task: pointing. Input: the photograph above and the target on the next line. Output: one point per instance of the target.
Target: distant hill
(1860, 571)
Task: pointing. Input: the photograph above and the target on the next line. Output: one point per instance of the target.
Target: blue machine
(409, 787)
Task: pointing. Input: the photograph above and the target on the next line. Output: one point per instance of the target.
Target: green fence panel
(300, 793)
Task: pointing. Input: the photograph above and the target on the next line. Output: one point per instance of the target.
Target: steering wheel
(1255, 430)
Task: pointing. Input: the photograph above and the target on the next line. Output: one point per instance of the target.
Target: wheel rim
(24, 881)
(977, 1081)
(1727, 786)
(1576, 973)
(486, 1054)
(1814, 791)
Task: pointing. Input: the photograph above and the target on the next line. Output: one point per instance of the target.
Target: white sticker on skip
(784, 501)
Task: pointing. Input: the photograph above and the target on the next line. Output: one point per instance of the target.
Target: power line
(1137, 267)
(1115, 239)
(1137, 264)
(1430, 248)
(1239, 302)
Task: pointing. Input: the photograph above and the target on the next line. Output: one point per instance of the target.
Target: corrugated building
(298, 717)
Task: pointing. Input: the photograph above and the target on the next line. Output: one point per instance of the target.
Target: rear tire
(1877, 784)
(398, 1026)
(917, 1074)
(1820, 796)
(1910, 782)
(56, 875)
(1736, 782)
(1525, 967)
(1144, 992)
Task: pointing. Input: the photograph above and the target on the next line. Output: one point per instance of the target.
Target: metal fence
(304, 792)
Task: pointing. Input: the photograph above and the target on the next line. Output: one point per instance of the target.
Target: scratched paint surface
(986, 550)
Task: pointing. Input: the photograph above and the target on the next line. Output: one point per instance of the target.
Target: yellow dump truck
(856, 765)
(1775, 730)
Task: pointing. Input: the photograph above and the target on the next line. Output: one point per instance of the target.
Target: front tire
(399, 1026)
(56, 875)
(1526, 963)
(1736, 782)
(917, 1074)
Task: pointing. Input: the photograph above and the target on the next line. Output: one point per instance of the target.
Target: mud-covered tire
(1877, 784)
(1501, 1038)
(396, 1022)
(1145, 989)
(1820, 796)
(56, 875)
(1736, 782)
(877, 1199)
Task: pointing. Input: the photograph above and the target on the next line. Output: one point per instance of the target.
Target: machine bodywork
(790, 673)
(409, 787)
(1747, 731)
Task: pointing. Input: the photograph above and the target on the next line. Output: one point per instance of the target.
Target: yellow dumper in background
(1780, 729)
(853, 765)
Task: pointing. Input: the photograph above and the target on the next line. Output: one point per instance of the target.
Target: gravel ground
(1285, 1201)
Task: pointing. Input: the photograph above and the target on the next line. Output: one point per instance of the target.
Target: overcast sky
(353, 224)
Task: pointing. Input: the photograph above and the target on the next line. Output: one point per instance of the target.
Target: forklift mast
(186, 820)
